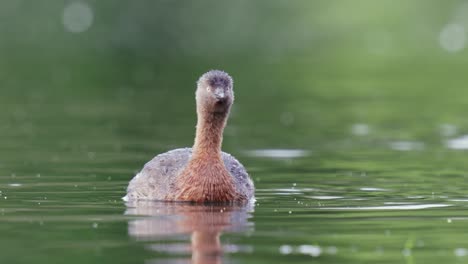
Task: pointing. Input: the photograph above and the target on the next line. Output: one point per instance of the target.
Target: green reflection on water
(365, 91)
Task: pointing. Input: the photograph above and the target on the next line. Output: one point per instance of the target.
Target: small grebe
(203, 173)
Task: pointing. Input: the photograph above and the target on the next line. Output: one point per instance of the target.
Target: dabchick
(203, 173)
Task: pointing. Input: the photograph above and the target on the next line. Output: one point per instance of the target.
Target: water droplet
(460, 252)
(458, 143)
(313, 251)
(407, 145)
(285, 249)
(360, 129)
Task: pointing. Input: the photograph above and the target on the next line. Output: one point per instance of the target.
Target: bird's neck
(209, 134)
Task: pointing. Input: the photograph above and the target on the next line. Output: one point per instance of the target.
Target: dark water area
(351, 122)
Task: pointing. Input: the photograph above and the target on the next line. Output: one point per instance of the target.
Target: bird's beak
(219, 94)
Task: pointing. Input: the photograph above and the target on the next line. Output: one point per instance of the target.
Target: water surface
(351, 120)
(354, 198)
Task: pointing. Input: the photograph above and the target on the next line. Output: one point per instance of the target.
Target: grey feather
(156, 180)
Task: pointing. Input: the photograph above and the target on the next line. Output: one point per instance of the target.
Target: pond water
(351, 121)
(331, 185)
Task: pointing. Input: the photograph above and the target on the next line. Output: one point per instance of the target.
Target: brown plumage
(204, 173)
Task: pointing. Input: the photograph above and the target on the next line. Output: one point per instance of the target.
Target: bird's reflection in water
(203, 223)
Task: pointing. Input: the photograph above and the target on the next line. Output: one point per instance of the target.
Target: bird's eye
(208, 89)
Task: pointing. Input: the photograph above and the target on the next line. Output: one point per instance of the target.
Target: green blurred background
(307, 69)
(367, 93)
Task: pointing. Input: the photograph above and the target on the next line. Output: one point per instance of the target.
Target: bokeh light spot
(77, 17)
(452, 37)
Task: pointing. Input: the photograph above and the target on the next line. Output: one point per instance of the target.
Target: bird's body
(203, 173)
(156, 180)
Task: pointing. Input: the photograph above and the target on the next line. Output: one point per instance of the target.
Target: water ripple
(391, 207)
(278, 153)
